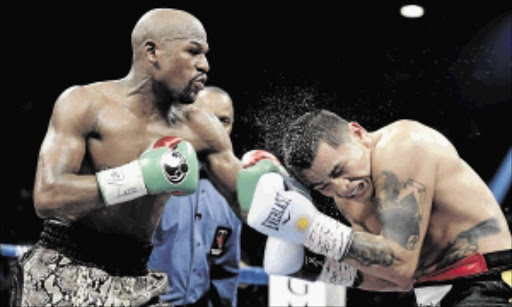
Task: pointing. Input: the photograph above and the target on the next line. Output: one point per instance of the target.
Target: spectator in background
(197, 242)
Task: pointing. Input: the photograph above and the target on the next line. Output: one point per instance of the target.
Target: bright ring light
(411, 11)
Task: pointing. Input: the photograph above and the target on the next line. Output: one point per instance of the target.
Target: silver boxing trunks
(101, 272)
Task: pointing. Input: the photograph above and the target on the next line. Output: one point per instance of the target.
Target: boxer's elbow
(43, 205)
(47, 201)
(43, 213)
(397, 282)
(404, 277)
(404, 284)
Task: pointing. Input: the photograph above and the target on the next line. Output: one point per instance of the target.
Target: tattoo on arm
(466, 242)
(398, 207)
(368, 250)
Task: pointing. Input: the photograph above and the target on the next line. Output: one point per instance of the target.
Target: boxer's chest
(121, 137)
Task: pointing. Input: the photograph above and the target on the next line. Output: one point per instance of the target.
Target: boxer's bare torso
(108, 125)
(463, 217)
(105, 125)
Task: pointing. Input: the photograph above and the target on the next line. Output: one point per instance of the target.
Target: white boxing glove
(282, 257)
(291, 216)
(289, 259)
(280, 213)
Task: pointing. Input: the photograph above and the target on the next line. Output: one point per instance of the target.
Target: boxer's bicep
(402, 208)
(62, 152)
(63, 146)
(403, 200)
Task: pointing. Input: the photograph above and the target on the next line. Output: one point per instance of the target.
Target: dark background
(449, 69)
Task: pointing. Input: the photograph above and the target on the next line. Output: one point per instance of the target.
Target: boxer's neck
(143, 95)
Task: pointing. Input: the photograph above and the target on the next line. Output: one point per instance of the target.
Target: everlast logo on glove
(219, 241)
(276, 213)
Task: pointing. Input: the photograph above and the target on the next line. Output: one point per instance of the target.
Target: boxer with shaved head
(113, 153)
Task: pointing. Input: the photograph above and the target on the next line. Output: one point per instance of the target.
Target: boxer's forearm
(368, 281)
(379, 257)
(224, 168)
(69, 195)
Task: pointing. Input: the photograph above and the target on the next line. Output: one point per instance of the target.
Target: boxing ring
(252, 275)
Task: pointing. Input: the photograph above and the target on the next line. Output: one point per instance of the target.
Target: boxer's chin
(188, 97)
(189, 94)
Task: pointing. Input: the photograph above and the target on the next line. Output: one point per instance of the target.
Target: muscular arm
(224, 168)
(216, 150)
(370, 282)
(403, 196)
(58, 189)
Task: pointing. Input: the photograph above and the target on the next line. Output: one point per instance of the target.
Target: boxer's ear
(356, 128)
(360, 133)
(150, 51)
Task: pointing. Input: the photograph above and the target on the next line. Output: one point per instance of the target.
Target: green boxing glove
(256, 163)
(169, 166)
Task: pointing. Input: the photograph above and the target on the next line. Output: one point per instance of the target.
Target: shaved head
(161, 25)
(169, 55)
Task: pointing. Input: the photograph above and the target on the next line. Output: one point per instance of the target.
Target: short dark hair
(301, 141)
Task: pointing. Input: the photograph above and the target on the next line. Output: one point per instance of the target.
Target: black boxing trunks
(74, 265)
(476, 280)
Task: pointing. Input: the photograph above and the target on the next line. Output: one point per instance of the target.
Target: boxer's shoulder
(207, 127)
(94, 94)
(79, 98)
(406, 128)
(195, 115)
(421, 140)
(81, 104)
(404, 134)
(405, 142)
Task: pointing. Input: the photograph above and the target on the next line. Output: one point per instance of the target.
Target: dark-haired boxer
(113, 153)
(420, 216)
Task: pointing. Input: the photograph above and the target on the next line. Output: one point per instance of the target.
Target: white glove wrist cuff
(121, 184)
(328, 237)
(338, 273)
